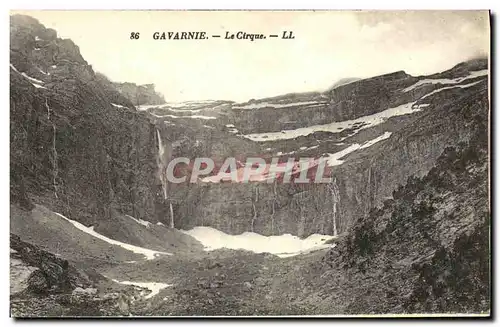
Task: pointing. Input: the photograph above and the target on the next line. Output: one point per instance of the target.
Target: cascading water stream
(334, 190)
(163, 178)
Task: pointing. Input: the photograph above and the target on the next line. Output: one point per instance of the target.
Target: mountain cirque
(96, 230)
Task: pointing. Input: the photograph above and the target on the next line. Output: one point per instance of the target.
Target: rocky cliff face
(139, 94)
(426, 249)
(366, 177)
(345, 102)
(77, 145)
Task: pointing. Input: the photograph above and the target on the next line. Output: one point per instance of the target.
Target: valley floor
(180, 280)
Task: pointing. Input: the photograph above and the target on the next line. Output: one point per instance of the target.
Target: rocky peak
(140, 94)
(38, 52)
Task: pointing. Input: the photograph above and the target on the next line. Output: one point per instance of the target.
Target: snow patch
(283, 245)
(149, 254)
(154, 287)
(38, 86)
(187, 104)
(149, 106)
(232, 129)
(41, 71)
(35, 82)
(117, 105)
(450, 87)
(177, 117)
(382, 137)
(191, 106)
(277, 105)
(334, 158)
(193, 116)
(473, 74)
(187, 110)
(140, 221)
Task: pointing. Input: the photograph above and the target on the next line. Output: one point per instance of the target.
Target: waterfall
(171, 215)
(334, 190)
(48, 109)
(161, 151)
(161, 165)
(254, 208)
(273, 208)
(163, 177)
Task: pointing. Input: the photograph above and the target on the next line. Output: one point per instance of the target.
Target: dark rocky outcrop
(45, 285)
(53, 274)
(427, 249)
(139, 94)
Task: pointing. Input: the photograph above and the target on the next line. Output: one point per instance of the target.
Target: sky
(328, 46)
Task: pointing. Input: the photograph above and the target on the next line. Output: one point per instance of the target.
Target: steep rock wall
(364, 181)
(76, 145)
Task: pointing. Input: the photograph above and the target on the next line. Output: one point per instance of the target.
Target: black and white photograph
(244, 163)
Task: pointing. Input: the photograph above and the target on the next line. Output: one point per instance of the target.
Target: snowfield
(277, 105)
(472, 74)
(149, 106)
(192, 116)
(149, 254)
(285, 245)
(187, 106)
(184, 110)
(192, 103)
